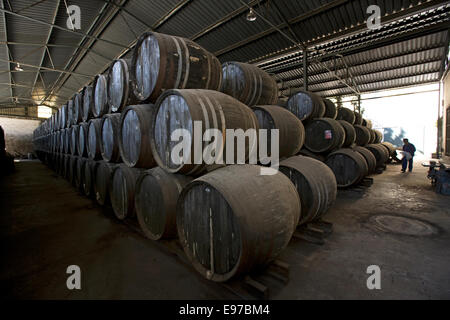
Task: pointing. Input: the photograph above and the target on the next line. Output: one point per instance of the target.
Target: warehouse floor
(399, 224)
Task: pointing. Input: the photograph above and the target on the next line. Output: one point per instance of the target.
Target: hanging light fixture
(251, 16)
(18, 67)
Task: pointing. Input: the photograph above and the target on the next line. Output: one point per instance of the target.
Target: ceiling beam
(55, 12)
(170, 13)
(362, 63)
(366, 73)
(47, 68)
(225, 19)
(445, 57)
(420, 7)
(61, 28)
(7, 47)
(280, 26)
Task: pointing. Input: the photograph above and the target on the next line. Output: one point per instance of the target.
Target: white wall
(18, 135)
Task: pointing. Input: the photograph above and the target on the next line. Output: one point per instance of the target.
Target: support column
(305, 70)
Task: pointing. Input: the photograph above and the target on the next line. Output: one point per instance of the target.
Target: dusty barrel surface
(290, 128)
(79, 177)
(381, 154)
(74, 139)
(87, 183)
(109, 145)
(379, 137)
(363, 136)
(162, 62)
(306, 153)
(350, 133)
(306, 105)
(315, 183)
(157, 194)
(226, 228)
(120, 89)
(102, 181)
(136, 124)
(82, 139)
(346, 114)
(72, 174)
(348, 166)
(94, 138)
(369, 157)
(367, 123)
(179, 109)
(67, 141)
(88, 103)
(77, 108)
(330, 109)
(122, 192)
(324, 135)
(63, 116)
(100, 90)
(358, 118)
(70, 113)
(248, 84)
(391, 149)
(373, 136)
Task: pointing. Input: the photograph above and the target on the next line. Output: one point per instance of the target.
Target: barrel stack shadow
(113, 142)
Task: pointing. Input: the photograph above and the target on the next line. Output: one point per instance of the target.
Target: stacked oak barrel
(341, 138)
(114, 141)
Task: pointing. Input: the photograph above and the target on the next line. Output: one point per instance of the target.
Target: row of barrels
(162, 62)
(141, 136)
(229, 221)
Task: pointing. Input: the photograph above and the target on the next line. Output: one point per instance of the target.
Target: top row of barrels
(160, 62)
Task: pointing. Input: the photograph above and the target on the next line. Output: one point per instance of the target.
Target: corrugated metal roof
(376, 58)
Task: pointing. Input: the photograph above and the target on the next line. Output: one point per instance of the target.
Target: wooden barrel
(94, 138)
(248, 84)
(100, 91)
(102, 181)
(156, 200)
(72, 169)
(109, 143)
(63, 116)
(390, 147)
(346, 115)
(348, 166)
(306, 153)
(233, 220)
(350, 133)
(373, 136)
(67, 138)
(135, 126)
(161, 62)
(369, 157)
(120, 88)
(379, 137)
(381, 154)
(330, 109)
(83, 139)
(66, 166)
(358, 118)
(178, 109)
(315, 184)
(62, 135)
(306, 105)
(87, 183)
(291, 130)
(75, 131)
(123, 186)
(367, 123)
(362, 135)
(324, 135)
(70, 112)
(79, 177)
(88, 103)
(77, 108)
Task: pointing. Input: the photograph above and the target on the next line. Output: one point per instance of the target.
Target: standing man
(411, 149)
(2, 143)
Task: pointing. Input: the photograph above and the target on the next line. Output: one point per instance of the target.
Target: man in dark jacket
(411, 149)
(2, 142)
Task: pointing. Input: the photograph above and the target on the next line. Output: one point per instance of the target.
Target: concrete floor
(45, 226)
